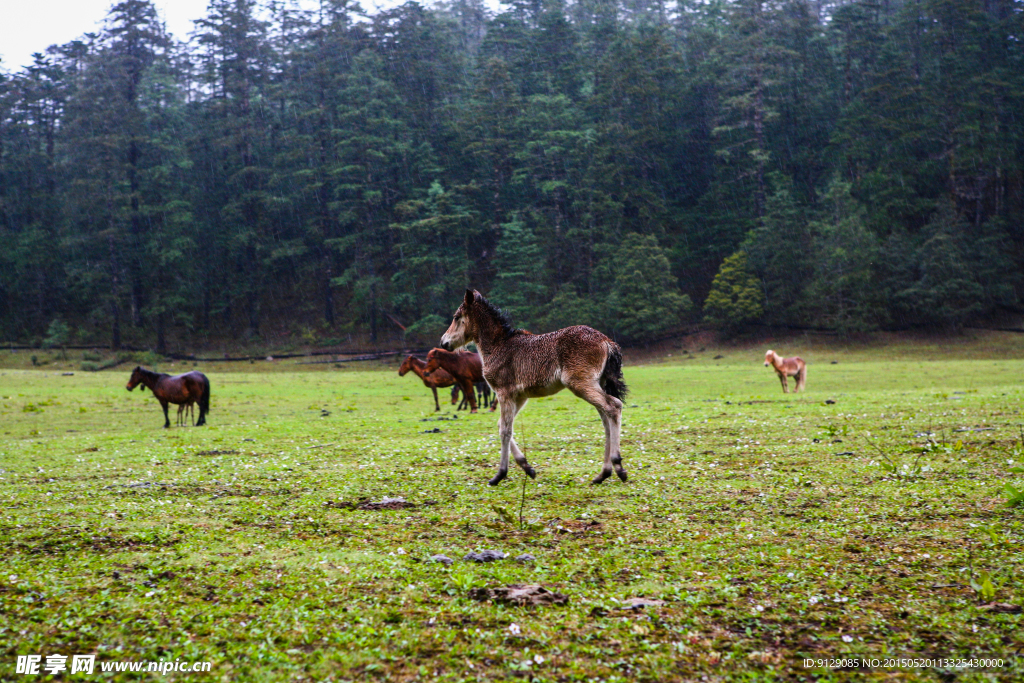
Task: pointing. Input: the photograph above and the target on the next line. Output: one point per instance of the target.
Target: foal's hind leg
(610, 410)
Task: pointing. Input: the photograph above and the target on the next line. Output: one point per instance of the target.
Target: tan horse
(787, 367)
(520, 366)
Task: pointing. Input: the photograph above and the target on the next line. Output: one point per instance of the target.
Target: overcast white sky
(33, 25)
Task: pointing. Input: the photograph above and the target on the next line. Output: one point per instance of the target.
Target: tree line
(636, 165)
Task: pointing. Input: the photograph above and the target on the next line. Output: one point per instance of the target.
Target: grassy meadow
(865, 518)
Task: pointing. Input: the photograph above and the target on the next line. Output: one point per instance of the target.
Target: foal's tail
(801, 377)
(611, 376)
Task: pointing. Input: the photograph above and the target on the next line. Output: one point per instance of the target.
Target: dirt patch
(519, 594)
(386, 503)
(575, 526)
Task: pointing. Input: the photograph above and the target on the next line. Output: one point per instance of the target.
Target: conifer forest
(635, 165)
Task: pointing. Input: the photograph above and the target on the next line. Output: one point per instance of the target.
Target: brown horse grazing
(434, 382)
(520, 366)
(465, 367)
(787, 367)
(180, 390)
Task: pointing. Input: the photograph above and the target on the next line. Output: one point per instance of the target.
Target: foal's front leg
(516, 453)
(785, 384)
(505, 422)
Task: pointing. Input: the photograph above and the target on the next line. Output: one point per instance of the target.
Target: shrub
(56, 334)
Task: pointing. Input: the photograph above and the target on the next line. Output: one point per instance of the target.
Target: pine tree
(377, 168)
(32, 281)
(780, 254)
(136, 37)
(735, 297)
(753, 62)
(646, 297)
(842, 292)
(314, 81)
(522, 272)
(236, 62)
(431, 257)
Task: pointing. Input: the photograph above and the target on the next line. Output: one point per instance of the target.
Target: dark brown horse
(519, 366)
(466, 368)
(182, 390)
(434, 382)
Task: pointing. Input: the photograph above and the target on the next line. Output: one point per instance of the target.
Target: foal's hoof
(531, 473)
(497, 478)
(601, 477)
(622, 475)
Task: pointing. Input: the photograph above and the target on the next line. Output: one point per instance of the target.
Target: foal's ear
(469, 296)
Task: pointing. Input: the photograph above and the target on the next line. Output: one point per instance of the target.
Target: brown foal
(519, 366)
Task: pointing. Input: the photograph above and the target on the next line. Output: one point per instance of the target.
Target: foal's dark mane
(500, 316)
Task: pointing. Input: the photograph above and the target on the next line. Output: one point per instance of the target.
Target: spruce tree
(646, 301)
(735, 297)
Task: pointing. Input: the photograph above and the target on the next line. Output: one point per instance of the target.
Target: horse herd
(516, 364)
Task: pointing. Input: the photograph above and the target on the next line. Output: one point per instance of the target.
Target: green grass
(775, 528)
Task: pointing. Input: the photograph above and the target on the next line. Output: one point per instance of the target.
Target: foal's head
(136, 378)
(463, 328)
(769, 358)
(406, 366)
(476, 320)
